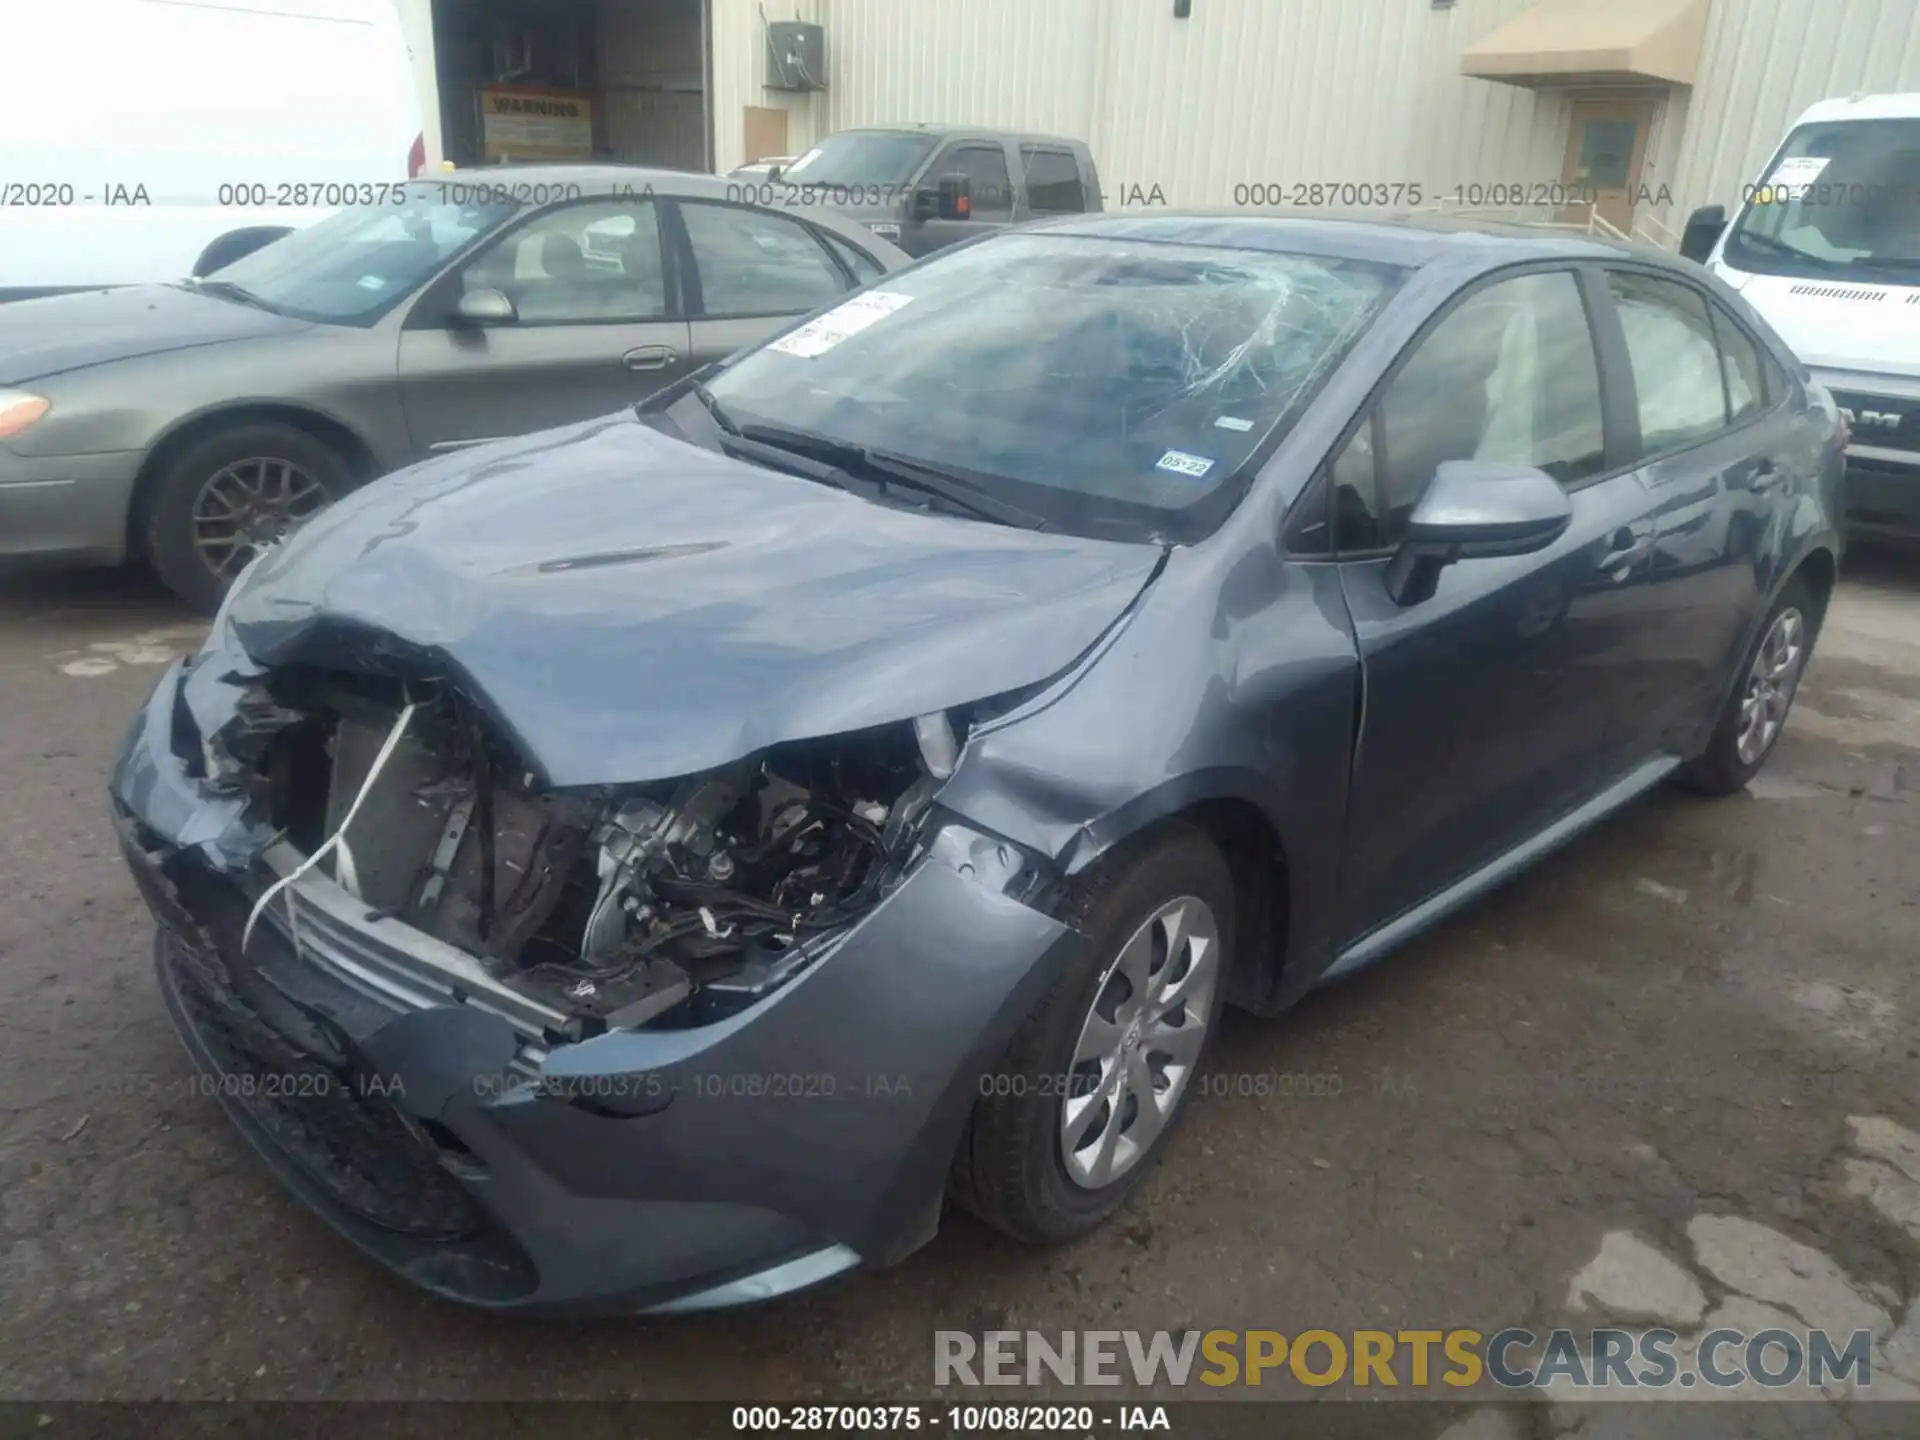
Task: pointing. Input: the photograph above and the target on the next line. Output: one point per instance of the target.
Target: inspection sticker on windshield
(1233, 422)
(1800, 170)
(1181, 463)
(823, 332)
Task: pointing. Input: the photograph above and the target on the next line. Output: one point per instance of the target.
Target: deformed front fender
(1243, 690)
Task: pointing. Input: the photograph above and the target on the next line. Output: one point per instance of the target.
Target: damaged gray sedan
(655, 864)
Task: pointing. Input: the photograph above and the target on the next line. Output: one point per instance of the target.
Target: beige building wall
(737, 42)
(1763, 62)
(1242, 92)
(1264, 91)
(1275, 91)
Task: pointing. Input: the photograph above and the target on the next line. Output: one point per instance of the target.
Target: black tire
(1011, 1171)
(166, 524)
(1719, 769)
(223, 250)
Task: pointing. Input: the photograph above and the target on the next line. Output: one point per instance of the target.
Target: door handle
(1626, 548)
(649, 357)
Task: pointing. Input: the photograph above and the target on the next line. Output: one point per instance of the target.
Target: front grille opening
(354, 1146)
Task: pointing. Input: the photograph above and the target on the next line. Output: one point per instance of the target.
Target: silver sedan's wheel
(248, 505)
(1139, 1042)
(1771, 681)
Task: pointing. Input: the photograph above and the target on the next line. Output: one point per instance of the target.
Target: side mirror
(485, 307)
(1475, 509)
(951, 199)
(1702, 233)
(956, 197)
(773, 175)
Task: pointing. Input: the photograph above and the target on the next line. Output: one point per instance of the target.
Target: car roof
(944, 130)
(1863, 107)
(539, 185)
(1411, 240)
(627, 178)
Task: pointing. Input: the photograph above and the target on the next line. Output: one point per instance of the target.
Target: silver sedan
(189, 424)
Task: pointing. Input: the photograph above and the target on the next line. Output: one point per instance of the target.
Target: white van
(146, 140)
(1826, 246)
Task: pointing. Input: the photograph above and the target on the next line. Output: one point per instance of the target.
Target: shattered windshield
(1842, 197)
(1112, 387)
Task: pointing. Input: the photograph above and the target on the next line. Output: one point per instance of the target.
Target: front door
(596, 326)
(984, 163)
(1496, 706)
(1606, 147)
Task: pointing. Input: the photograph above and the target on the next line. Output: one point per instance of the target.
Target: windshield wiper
(949, 486)
(790, 462)
(1791, 252)
(227, 290)
(714, 408)
(898, 472)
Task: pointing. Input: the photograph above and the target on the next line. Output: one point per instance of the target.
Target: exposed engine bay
(664, 904)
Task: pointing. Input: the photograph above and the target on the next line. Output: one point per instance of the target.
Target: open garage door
(527, 81)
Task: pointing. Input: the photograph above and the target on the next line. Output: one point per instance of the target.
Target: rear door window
(1675, 357)
(1053, 181)
(1746, 377)
(751, 263)
(863, 265)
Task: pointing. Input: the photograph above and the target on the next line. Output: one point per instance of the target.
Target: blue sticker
(1181, 463)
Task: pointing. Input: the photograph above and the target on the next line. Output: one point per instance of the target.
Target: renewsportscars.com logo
(1513, 1359)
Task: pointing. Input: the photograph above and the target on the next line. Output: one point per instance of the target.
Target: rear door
(1497, 705)
(1054, 183)
(994, 198)
(597, 325)
(1715, 437)
(749, 272)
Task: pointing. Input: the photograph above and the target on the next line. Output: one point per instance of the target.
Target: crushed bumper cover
(497, 1162)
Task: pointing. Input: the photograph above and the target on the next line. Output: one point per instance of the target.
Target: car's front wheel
(1757, 710)
(228, 494)
(1094, 1081)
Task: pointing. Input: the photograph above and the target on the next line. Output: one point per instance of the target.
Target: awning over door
(1588, 42)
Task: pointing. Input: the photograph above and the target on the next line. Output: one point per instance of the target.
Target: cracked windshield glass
(1109, 387)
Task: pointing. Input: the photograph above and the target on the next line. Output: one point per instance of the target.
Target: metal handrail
(1594, 224)
(1667, 239)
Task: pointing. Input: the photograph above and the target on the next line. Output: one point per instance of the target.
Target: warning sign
(523, 123)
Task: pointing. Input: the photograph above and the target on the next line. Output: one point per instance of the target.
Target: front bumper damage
(455, 1130)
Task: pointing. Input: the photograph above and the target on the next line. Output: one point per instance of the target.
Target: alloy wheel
(248, 505)
(1139, 1042)
(1771, 681)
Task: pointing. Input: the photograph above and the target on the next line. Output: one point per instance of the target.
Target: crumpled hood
(631, 607)
(59, 333)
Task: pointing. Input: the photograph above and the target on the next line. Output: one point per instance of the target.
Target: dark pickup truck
(923, 187)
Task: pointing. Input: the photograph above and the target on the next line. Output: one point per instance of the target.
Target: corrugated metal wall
(1257, 91)
(738, 41)
(1243, 92)
(1763, 62)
